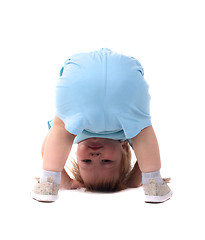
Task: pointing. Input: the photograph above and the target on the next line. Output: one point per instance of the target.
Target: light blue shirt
(103, 93)
(86, 134)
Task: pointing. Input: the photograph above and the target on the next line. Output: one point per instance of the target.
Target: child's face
(99, 158)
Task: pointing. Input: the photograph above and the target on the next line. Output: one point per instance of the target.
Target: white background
(167, 37)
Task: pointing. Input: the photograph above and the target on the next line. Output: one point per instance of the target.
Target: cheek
(114, 151)
(81, 151)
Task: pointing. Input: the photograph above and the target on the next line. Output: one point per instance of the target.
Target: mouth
(95, 147)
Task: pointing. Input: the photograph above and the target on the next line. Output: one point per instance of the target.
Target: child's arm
(67, 182)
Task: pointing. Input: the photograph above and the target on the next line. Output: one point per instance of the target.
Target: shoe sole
(44, 198)
(158, 199)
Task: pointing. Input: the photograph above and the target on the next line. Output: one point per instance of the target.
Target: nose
(95, 154)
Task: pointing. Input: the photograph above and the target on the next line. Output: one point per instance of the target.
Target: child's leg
(147, 150)
(57, 147)
(66, 181)
(55, 150)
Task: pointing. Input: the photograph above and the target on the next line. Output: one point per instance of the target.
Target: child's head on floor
(102, 165)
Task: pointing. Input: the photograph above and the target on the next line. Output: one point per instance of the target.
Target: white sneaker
(157, 193)
(45, 191)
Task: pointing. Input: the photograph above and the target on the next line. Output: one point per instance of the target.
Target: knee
(58, 122)
(59, 125)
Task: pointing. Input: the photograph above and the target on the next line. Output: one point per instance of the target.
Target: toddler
(102, 104)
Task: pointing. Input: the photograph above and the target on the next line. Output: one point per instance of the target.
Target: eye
(86, 161)
(89, 161)
(106, 161)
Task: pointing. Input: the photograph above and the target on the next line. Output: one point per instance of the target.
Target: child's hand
(69, 183)
(75, 184)
(134, 179)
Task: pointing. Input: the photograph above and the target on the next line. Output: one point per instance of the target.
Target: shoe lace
(166, 180)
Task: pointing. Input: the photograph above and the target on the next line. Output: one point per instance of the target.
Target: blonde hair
(107, 185)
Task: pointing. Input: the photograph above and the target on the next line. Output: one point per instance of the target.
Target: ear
(124, 145)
